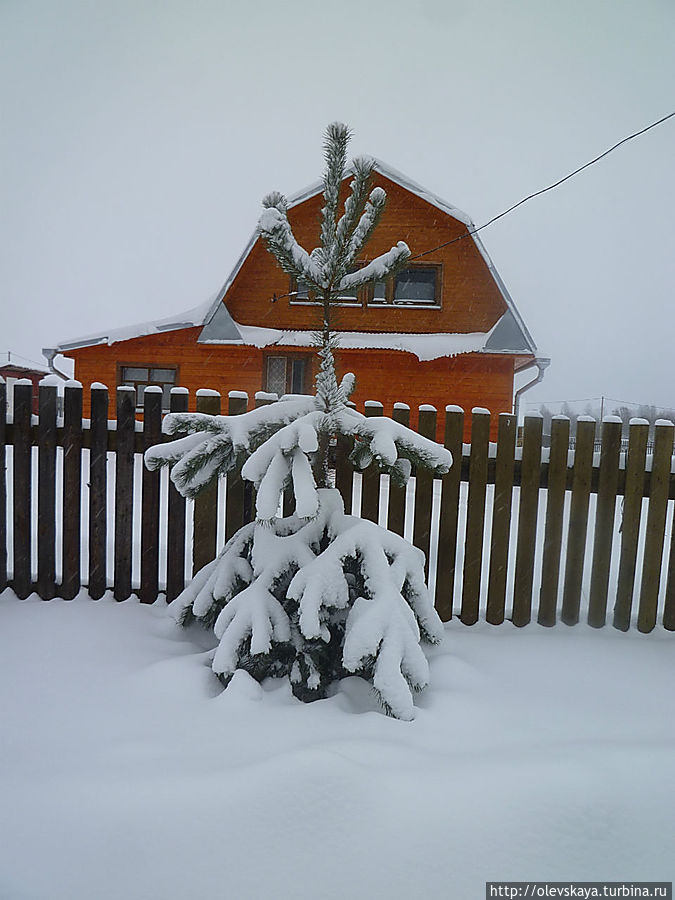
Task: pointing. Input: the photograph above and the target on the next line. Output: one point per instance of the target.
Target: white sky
(139, 136)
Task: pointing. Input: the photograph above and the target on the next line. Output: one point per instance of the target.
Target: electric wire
(550, 187)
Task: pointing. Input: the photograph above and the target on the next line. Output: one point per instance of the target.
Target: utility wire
(597, 400)
(12, 354)
(550, 187)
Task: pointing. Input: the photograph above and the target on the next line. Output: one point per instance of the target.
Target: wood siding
(468, 380)
(470, 299)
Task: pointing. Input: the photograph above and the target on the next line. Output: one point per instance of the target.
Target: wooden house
(444, 331)
(11, 372)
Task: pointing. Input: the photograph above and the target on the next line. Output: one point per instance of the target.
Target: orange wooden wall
(468, 380)
(470, 298)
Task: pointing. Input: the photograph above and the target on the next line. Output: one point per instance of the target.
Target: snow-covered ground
(125, 771)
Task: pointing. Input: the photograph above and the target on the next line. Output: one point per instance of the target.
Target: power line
(604, 398)
(538, 193)
(11, 353)
(550, 187)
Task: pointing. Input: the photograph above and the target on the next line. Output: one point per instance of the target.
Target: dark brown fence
(511, 533)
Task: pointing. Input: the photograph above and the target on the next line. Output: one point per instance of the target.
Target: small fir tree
(320, 594)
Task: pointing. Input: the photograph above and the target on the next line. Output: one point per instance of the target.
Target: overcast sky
(139, 136)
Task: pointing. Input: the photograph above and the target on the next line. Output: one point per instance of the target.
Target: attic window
(141, 377)
(416, 286)
(300, 293)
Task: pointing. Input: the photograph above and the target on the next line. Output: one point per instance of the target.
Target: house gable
(470, 299)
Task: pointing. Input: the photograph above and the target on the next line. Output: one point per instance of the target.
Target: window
(416, 286)
(141, 377)
(286, 374)
(300, 292)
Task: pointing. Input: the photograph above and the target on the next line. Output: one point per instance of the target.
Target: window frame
(390, 303)
(121, 366)
(311, 300)
(304, 357)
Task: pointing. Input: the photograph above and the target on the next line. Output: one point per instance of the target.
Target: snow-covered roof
(508, 335)
(424, 346)
(190, 318)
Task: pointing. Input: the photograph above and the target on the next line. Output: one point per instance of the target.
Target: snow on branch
(379, 269)
(388, 443)
(339, 259)
(276, 231)
(219, 444)
(372, 210)
(284, 597)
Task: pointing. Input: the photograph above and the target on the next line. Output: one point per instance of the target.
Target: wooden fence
(509, 533)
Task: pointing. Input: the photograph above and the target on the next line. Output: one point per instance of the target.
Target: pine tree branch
(380, 268)
(335, 144)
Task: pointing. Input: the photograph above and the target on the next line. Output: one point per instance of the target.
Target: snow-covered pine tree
(320, 594)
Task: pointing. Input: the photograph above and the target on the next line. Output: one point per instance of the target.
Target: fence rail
(510, 533)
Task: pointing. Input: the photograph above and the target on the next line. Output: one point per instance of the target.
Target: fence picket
(669, 604)
(344, 473)
(659, 485)
(578, 526)
(234, 501)
(370, 477)
(175, 539)
(72, 489)
(424, 489)
(604, 522)
(447, 528)
(22, 457)
(475, 516)
(397, 492)
(152, 432)
(205, 523)
(528, 508)
(553, 529)
(46, 524)
(630, 526)
(124, 490)
(501, 518)
(3, 485)
(98, 490)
